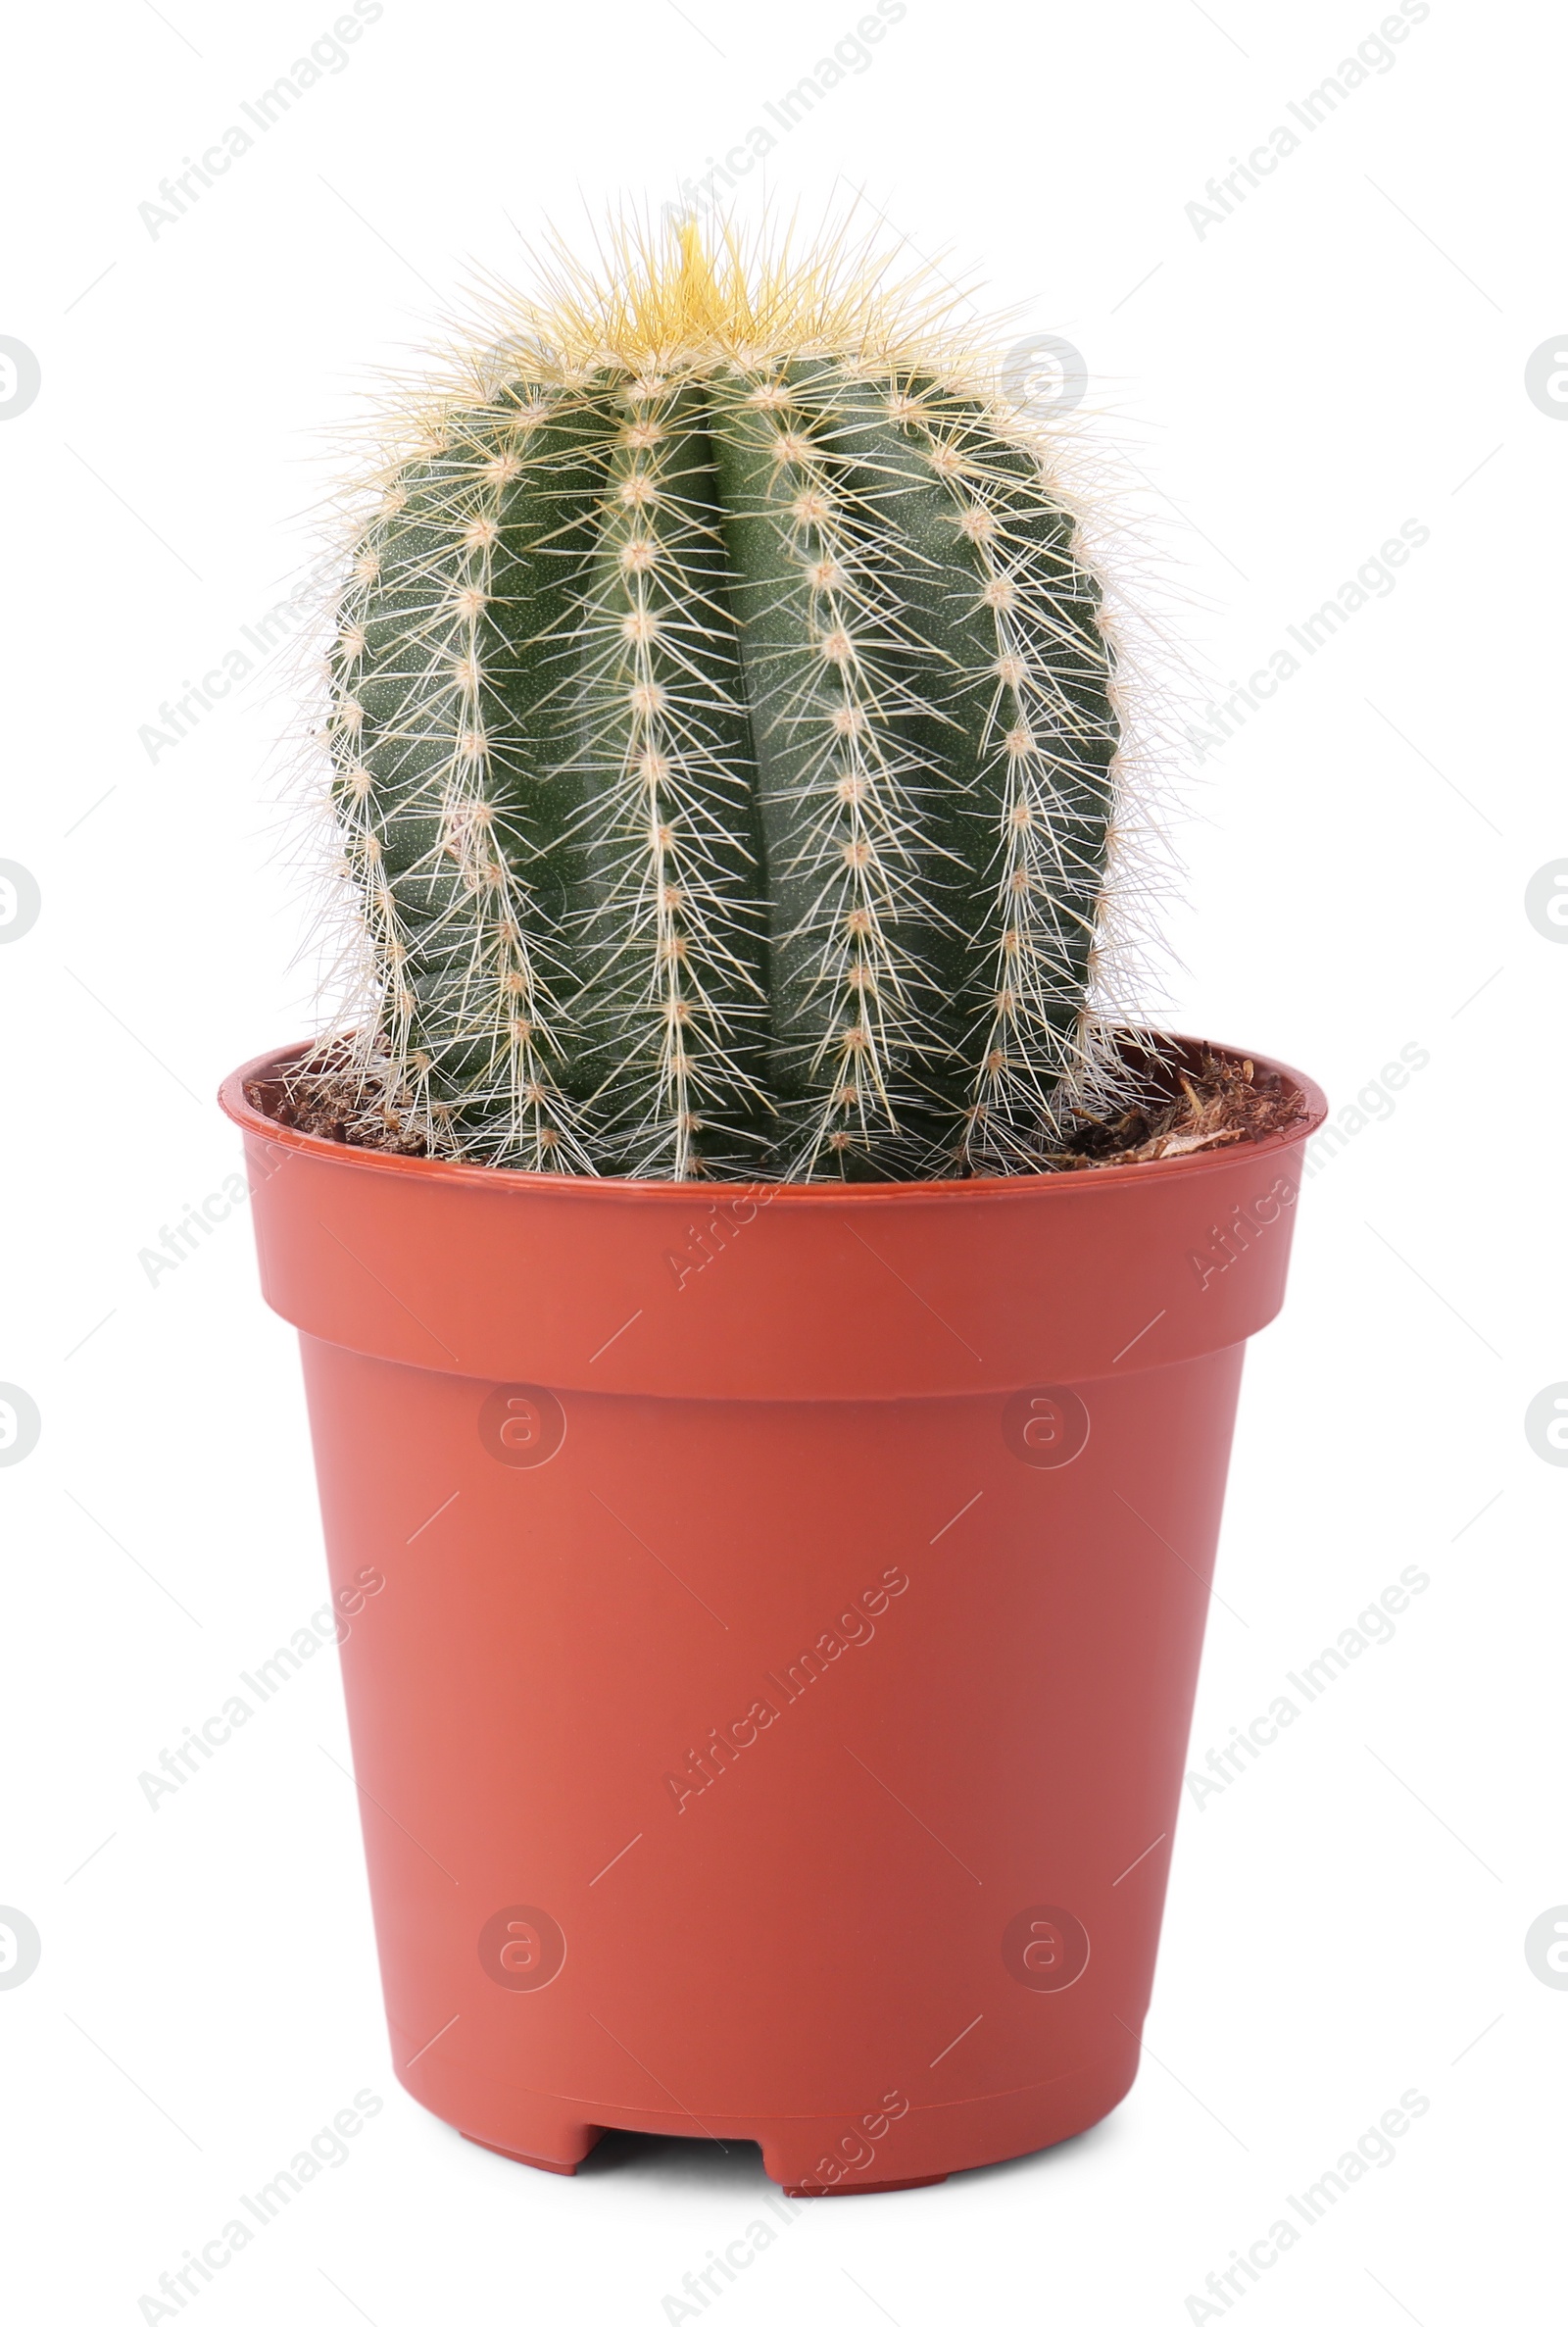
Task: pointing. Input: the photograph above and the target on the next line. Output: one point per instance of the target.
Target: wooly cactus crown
(724, 742)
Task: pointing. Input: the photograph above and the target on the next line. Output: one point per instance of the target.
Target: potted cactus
(773, 1325)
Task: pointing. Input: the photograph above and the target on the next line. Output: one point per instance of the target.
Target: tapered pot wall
(770, 1705)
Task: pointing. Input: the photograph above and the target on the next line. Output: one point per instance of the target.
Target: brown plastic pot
(772, 1721)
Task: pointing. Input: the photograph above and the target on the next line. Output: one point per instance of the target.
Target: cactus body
(722, 743)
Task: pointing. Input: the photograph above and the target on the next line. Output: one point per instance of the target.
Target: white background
(1344, 352)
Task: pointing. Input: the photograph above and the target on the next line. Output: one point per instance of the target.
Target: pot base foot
(918, 2181)
(832, 2155)
(576, 2141)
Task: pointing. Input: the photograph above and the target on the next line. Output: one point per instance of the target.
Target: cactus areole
(768, 1720)
(723, 745)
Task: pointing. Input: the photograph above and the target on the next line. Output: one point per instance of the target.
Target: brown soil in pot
(1188, 1099)
(1209, 1102)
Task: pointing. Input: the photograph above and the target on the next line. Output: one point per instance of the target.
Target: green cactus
(724, 742)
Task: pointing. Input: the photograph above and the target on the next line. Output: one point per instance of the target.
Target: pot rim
(811, 1193)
